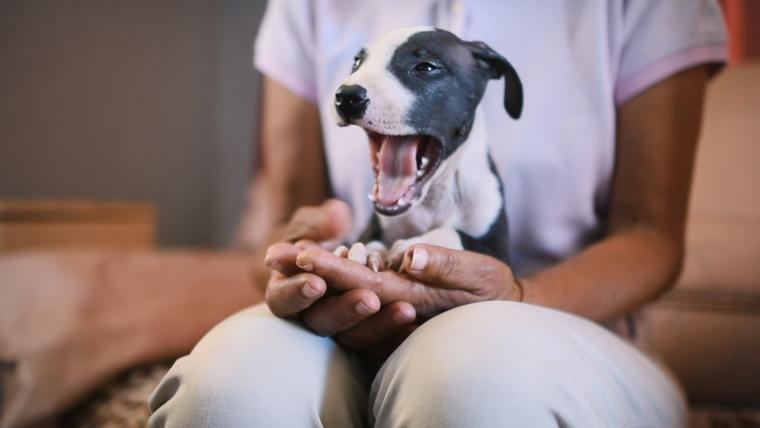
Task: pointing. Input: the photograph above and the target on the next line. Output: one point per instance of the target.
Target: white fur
(389, 100)
(442, 237)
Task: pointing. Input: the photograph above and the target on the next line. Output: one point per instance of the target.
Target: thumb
(329, 221)
(453, 269)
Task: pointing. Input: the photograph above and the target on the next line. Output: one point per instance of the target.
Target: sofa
(707, 328)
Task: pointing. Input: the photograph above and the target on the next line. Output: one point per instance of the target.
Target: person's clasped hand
(367, 310)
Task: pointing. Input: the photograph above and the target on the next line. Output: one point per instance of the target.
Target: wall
(743, 19)
(131, 100)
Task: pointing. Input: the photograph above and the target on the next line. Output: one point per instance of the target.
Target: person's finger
(303, 244)
(335, 314)
(344, 274)
(281, 257)
(454, 269)
(326, 222)
(379, 327)
(286, 296)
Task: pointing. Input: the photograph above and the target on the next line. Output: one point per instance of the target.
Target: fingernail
(420, 259)
(274, 265)
(403, 316)
(305, 263)
(310, 290)
(271, 262)
(362, 308)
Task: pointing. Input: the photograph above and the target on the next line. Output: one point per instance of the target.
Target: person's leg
(255, 369)
(517, 365)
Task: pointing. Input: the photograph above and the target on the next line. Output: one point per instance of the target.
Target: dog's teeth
(371, 197)
(424, 161)
(420, 172)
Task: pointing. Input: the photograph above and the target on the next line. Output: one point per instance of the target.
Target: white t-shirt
(578, 60)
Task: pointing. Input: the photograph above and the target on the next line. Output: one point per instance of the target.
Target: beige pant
(491, 364)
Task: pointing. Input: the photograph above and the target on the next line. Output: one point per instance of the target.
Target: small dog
(416, 92)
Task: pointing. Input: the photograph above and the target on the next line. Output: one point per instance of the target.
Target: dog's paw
(371, 255)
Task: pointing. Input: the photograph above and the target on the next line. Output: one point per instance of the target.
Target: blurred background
(152, 101)
(132, 100)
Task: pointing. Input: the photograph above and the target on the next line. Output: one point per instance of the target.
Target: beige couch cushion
(708, 327)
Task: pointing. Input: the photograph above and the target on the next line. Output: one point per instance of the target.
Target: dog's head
(415, 92)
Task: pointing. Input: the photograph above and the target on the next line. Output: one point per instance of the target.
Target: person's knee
(502, 363)
(194, 394)
(471, 366)
(254, 370)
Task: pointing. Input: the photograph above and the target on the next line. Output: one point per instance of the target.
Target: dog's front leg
(442, 237)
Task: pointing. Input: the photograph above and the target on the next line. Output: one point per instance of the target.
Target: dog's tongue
(397, 168)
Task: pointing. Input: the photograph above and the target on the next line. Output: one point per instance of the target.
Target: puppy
(416, 92)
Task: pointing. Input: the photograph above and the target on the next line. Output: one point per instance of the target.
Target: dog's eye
(357, 63)
(425, 67)
(358, 59)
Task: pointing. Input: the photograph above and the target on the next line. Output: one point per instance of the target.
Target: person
(597, 175)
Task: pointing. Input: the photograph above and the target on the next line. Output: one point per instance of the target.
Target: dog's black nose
(351, 102)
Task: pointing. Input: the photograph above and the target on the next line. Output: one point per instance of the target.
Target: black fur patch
(494, 242)
(447, 82)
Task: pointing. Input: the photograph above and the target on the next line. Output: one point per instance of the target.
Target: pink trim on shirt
(281, 75)
(634, 84)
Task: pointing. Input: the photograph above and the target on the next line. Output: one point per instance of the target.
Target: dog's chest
(468, 203)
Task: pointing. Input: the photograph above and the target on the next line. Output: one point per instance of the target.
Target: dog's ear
(497, 66)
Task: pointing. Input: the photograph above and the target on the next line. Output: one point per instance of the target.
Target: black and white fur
(427, 82)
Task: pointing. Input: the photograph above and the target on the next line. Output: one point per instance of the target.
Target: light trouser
(491, 364)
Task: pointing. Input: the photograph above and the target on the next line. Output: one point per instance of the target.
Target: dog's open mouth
(402, 165)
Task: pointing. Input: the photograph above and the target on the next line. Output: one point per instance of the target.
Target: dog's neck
(464, 194)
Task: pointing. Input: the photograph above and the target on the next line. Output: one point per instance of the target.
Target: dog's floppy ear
(497, 66)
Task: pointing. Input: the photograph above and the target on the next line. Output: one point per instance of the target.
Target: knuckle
(338, 322)
(488, 268)
(378, 281)
(337, 277)
(312, 322)
(448, 264)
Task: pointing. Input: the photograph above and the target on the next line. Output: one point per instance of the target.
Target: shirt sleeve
(284, 48)
(663, 37)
